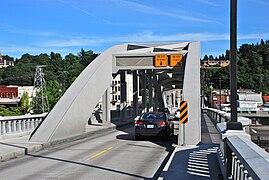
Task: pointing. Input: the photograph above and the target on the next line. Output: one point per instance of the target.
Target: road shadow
(199, 162)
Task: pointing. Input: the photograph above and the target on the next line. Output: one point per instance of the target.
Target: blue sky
(66, 26)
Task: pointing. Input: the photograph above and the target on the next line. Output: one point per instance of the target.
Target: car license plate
(150, 126)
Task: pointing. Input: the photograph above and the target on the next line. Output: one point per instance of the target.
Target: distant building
(9, 92)
(4, 63)
(115, 92)
(214, 63)
(11, 95)
(245, 98)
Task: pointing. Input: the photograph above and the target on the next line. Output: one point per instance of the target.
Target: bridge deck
(186, 162)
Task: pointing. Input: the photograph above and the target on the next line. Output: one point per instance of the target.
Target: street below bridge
(115, 155)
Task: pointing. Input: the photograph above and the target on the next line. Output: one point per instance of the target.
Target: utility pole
(220, 93)
(41, 103)
(233, 49)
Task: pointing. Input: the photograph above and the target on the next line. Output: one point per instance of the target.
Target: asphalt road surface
(116, 155)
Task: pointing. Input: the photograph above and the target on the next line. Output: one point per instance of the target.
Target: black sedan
(153, 124)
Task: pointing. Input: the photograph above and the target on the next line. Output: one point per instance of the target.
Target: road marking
(102, 152)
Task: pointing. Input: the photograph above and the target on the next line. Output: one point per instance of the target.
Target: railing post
(23, 125)
(228, 156)
(3, 127)
(9, 127)
(234, 158)
(237, 175)
(13, 126)
(241, 173)
(19, 126)
(32, 123)
(36, 122)
(28, 122)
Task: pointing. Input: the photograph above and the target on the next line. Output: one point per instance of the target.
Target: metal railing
(16, 125)
(245, 160)
(239, 158)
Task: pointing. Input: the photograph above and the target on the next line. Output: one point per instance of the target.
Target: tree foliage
(59, 72)
(253, 68)
(25, 103)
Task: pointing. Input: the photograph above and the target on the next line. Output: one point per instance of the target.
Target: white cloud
(263, 2)
(146, 37)
(156, 11)
(74, 44)
(208, 2)
(82, 10)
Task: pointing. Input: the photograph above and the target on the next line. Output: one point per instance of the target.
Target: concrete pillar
(174, 99)
(135, 94)
(155, 82)
(144, 108)
(150, 90)
(123, 95)
(106, 120)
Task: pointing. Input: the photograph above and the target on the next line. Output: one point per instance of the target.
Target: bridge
(62, 145)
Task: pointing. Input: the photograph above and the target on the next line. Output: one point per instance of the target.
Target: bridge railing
(239, 157)
(19, 125)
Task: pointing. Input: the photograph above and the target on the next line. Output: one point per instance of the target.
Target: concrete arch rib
(70, 115)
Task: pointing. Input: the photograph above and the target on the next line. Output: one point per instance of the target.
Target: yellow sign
(161, 60)
(183, 112)
(176, 60)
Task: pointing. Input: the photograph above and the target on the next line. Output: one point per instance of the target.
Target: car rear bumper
(139, 131)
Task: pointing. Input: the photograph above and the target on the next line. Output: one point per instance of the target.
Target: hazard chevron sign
(183, 112)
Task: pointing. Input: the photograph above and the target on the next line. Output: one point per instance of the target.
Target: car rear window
(153, 116)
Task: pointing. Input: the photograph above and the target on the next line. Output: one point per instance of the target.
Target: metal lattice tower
(40, 103)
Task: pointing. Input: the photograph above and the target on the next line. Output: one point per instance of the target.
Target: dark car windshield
(153, 116)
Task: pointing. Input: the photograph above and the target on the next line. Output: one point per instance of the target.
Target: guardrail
(219, 116)
(17, 125)
(239, 158)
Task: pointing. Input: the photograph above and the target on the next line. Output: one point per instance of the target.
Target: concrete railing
(19, 125)
(239, 158)
(219, 116)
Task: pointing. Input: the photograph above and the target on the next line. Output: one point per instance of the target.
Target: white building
(29, 89)
(4, 63)
(115, 92)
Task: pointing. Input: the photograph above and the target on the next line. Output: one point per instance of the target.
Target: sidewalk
(195, 162)
(20, 146)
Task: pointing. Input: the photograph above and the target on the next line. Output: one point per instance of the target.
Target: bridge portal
(172, 71)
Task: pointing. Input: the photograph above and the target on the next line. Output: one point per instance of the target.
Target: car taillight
(138, 123)
(162, 123)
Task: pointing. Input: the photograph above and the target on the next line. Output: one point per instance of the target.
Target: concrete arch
(69, 116)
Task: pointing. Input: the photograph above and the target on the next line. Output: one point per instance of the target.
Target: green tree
(25, 104)
(13, 111)
(53, 92)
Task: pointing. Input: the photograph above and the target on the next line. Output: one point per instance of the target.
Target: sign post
(183, 118)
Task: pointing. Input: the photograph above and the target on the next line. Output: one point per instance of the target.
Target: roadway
(115, 155)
